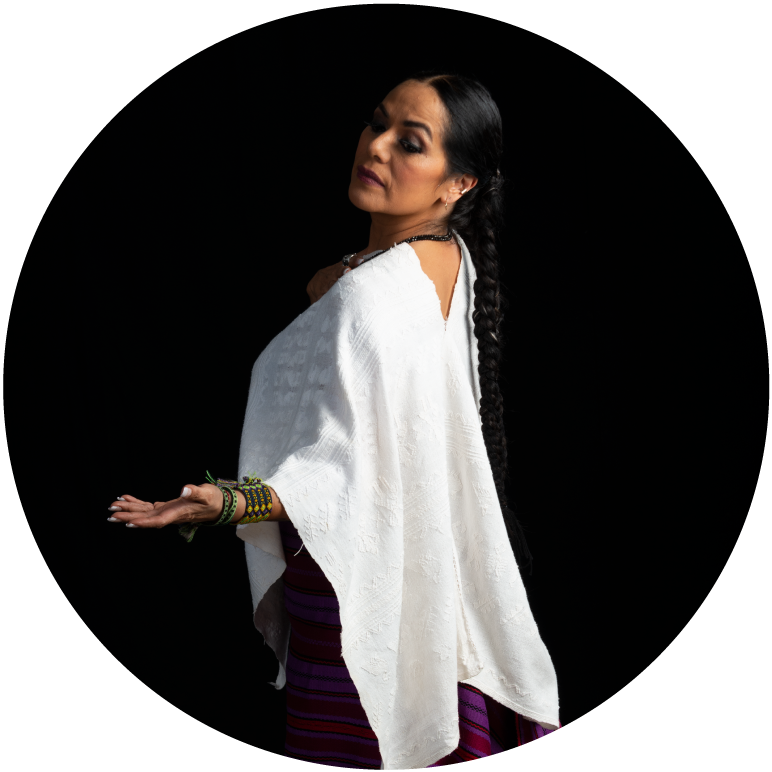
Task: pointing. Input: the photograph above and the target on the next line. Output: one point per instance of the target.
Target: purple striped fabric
(326, 723)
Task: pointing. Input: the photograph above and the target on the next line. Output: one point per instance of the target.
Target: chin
(361, 199)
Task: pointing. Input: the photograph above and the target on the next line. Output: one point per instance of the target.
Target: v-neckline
(453, 296)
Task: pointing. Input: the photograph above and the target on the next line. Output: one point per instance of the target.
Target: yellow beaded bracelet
(259, 501)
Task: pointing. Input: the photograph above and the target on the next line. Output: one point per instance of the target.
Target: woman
(381, 573)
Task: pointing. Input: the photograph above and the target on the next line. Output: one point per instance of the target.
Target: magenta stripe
(478, 714)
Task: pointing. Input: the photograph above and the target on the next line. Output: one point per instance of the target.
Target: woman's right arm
(196, 504)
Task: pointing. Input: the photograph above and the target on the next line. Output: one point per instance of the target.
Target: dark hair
(472, 141)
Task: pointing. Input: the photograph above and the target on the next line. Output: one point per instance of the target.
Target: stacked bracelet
(230, 502)
(256, 492)
(259, 501)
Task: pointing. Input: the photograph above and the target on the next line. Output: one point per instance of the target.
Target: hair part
(473, 144)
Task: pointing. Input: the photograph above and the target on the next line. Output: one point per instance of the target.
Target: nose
(374, 143)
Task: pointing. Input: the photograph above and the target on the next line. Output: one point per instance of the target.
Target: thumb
(196, 493)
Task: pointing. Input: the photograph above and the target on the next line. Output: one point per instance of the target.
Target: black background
(182, 241)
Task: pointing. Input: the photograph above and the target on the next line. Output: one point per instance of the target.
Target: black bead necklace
(448, 237)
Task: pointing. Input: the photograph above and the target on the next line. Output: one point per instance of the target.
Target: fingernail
(130, 525)
(346, 270)
(185, 492)
(113, 520)
(120, 498)
(115, 509)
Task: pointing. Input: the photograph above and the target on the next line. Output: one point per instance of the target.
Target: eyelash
(409, 146)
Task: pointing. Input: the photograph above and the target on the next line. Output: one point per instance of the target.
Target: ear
(461, 186)
(468, 181)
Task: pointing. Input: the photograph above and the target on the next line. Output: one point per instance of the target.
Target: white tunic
(363, 415)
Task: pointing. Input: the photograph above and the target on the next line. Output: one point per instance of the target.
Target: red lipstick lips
(369, 177)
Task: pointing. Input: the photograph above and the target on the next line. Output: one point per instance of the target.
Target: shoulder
(440, 261)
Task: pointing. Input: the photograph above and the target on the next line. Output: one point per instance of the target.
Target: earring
(446, 204)
(463, 191)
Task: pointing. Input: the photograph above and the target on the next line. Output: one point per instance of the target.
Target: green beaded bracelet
(230, 502)
(256, 493)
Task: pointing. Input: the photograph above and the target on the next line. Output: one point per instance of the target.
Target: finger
(353, 263)
(174, 510)
(125, 517)
(121, 505)
(129, 504)
(156, 521)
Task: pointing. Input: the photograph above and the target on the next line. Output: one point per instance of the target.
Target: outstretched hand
(196, 504)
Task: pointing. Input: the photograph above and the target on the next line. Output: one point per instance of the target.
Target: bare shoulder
(440, 260)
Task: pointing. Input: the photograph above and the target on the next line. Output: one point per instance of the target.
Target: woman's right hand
(195, 504)
(326, 277)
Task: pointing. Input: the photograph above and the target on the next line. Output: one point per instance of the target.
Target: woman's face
(403, 147)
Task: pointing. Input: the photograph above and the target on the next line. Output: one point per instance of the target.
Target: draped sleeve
(363, 417)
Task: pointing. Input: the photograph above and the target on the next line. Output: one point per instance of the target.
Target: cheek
(415, 175)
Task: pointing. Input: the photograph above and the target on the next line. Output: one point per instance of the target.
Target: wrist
(216, 503)
(241, 507)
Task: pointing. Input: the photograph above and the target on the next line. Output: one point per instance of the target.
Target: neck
(385, 231)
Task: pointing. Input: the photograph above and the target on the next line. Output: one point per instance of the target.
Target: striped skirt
(326, 723)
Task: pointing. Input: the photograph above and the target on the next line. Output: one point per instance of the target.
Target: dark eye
(374, 126)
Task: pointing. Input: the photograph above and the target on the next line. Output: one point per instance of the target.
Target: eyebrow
(410, 124)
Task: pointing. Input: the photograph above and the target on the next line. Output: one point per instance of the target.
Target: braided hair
(472, 142)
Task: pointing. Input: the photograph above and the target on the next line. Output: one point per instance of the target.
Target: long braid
(473, 145)
(476, 221)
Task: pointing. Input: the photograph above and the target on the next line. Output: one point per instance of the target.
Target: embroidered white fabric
(363, 415)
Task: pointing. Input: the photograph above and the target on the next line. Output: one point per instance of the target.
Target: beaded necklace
(448, 237)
